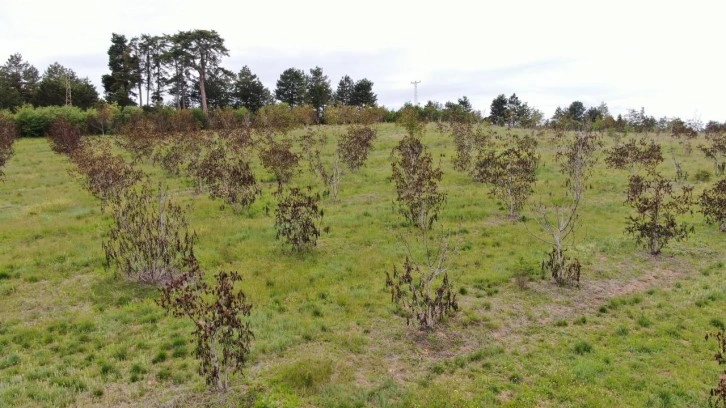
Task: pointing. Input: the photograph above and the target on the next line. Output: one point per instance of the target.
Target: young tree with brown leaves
(713, 204)
(8, 134)
(559, 217)
(219, 313)
(510, 172)
(417, 182)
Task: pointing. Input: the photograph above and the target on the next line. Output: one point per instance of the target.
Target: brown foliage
(417, 182)
(355, 144)
(104, 174)
(713, 204)
(716, 151)
(64, 137)
(511, 172)
(228, 176)
(560, 216)
(8, 133)
(277, 157)
(468, 142)
(150, 239)
(717, 395)
(424, 292)
(643, 153)
(140, 136)
(297, 217)
(219, 313)
(657, 206)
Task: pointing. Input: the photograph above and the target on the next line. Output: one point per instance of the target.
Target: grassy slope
(72, 334)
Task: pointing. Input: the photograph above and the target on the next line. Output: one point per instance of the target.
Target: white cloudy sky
(666, 56)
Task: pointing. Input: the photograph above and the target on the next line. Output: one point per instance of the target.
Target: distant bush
(36, 122)
(275, 118)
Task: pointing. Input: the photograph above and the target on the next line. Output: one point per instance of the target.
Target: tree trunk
(141, 97)
(202, 92)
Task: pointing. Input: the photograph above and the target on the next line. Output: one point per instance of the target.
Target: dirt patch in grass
(567, 303)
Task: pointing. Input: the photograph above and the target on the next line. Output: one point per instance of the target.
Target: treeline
(188, 67)
(21, 84)
(184, 71)
(512, 112)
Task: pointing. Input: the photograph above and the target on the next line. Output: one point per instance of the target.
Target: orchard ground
(74, 334)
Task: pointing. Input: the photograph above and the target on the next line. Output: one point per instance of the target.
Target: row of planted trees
(150, 240)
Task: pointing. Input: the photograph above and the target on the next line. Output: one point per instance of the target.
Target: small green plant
(583, 347)
(149, 239)
(702, 176)
(219, 313)
(297, 217)
(523, 272)
(717, 397)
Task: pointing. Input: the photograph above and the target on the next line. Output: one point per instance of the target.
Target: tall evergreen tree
(202, 51)
(576, 111)
(291, 87)
(344, 93)
(119, 84)
(178, 80)
(18, 82)
(219, 86)
(362, 94)
(319, 92)
(498, 110)
(249, 91)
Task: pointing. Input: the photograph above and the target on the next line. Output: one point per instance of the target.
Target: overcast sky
(666, 56)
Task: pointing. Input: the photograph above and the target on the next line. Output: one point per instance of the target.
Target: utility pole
(415, 92)
(68, 91)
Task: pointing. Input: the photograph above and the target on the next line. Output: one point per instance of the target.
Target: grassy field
(73, 334)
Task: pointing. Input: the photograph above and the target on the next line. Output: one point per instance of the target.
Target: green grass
(71, 333)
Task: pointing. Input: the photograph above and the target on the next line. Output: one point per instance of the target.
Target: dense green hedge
(104, 119)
